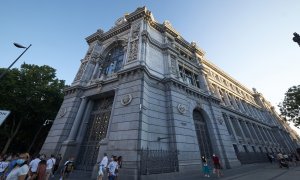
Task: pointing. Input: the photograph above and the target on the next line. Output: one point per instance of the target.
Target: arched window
(113, 60)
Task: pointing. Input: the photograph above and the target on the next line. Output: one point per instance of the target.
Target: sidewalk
(259, 171)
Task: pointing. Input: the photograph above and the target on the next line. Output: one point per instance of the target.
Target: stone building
(144, 93)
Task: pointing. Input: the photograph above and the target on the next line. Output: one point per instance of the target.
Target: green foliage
(290, 107)
(32, 94)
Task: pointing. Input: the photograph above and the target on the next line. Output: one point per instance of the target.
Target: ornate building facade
(144, 93)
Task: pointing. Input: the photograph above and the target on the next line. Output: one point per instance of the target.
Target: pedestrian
(50, 165)
(33, 165)
(119, 161)
(217, 165)
(57, 162)
(21, 168)
(102, 166)
(41, 169)
(3, 166)
(205, 167)
(12, 164)
(68, 168)
(112, 167)
(270, 157)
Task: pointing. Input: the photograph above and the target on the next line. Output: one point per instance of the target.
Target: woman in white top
(21, 169)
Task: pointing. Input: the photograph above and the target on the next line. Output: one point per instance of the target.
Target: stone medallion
(126, 99)
(181, 108)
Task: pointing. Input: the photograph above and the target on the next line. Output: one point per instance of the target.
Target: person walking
(205, 167)
(102, 167)
(33, 167)
(41, 169)
(217, 165)
(68, 168)
(57, 162)
(50, 165)
(21, 169)
(112, 167)
(3, 166)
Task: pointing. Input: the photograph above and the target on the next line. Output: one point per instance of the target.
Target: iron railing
(158, 161)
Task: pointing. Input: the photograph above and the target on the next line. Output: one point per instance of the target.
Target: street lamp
(46, 122)
(296, 38)
(18, 46)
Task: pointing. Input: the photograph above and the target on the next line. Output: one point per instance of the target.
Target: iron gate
(158, 161)
(96, 131)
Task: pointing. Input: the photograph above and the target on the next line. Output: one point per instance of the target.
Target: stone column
(273, 140)
(251, 126)
(238, 101)
(273, 136)
(259, 132)
(263, 130)
(245, 107)
(77, 121)
(217, 91)
(203, 82)
(95, 71)
(242, 130)
(233, 129)
(234, 103)
(250, 134)
(227, 99)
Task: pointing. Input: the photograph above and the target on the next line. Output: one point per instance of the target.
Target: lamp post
(18, 46)
(46, 122)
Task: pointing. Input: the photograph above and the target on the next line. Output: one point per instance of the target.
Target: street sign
(3, 115)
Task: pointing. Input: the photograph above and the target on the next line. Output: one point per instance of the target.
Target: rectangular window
(253, 148)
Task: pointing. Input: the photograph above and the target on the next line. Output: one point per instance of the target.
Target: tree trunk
(13, 134)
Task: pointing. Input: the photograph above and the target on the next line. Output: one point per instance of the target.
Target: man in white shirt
(33, 165)
(50, 164)
(102, 166)
(112, 167)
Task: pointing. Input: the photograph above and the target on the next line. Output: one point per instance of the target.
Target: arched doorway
(96, 131)
(203, 137)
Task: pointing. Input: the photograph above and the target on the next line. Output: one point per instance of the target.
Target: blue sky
(250, 40)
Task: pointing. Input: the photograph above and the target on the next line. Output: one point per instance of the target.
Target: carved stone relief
(135, 31)
(62, 112)
(126, 99)
(133, 51)
(81, 70)
(173, 65)
(181, 108)
(134, 42)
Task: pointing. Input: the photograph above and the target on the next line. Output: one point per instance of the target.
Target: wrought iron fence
(158, 161)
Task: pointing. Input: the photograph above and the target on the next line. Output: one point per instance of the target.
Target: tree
(32, 94)
(290, 107)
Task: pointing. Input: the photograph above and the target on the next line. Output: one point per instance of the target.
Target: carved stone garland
(81, 70)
